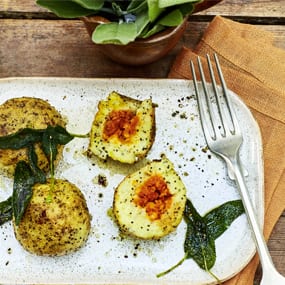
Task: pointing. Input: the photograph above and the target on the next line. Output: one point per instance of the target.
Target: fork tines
(213, 101)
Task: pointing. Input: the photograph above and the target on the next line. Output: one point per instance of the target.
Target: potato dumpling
(123, 128)
(149, 203)
(26, 112)
(56, 221)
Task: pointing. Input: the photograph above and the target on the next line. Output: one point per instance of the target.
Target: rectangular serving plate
(107, 258)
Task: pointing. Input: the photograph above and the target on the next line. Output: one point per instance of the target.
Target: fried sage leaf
(40, 176)
(219, 219)
(21, 139)
(24, 180)
(27, 174)
(202, 232)
(52, 137)
(199, 244)
(6, 211)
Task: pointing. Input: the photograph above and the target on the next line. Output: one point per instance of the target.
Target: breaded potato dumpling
(149, 203)
(123, 128)
(56, 221)
(26, 112)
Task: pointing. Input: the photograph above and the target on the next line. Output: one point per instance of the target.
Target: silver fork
(224, 138)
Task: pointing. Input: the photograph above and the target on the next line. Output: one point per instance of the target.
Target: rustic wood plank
(63, 48)
(60, 48)
(252, 8)
(276, 245)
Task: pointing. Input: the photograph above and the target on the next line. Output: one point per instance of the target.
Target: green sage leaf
(219, 219)
(6, 211)
(202, 232)
(22, 189)
(21, 139)
(52, 137)
(199, 244)
(39, 175)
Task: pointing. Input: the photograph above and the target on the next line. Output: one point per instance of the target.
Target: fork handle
(262, 249)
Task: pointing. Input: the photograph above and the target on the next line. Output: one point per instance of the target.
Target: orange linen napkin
(254, 69)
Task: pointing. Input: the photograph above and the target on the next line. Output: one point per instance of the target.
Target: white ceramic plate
(106, 258)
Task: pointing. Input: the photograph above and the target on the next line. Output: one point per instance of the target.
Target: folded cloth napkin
(254, 69)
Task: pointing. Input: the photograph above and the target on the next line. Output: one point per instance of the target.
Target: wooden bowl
(143, 51)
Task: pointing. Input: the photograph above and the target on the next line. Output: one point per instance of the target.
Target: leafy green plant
(128, 20)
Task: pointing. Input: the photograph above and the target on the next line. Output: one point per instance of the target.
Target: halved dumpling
(149, 203)
(123, 128)
(26, 112)
(56, 221)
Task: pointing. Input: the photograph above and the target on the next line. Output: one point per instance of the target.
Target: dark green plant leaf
(91, 4)
(117, 9)
(65, 8)
(21, 139)
(141, 22)
(199, 244)
(219, 219)
(186, 9)
(170, 3)
(137, 7)
(6, 211)
(22, 189)
(172, 19)
(151, 31)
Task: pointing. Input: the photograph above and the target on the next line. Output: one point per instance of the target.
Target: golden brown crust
(57, 227)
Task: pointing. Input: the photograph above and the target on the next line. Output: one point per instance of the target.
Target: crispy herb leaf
(21, 139)
(219, 219)
(22, 189)
(52, 137)
(201, 233)
(27, 174)
(39, 175)
(199, 244)
(6, 211)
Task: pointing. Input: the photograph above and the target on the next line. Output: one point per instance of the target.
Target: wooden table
(33, 42)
